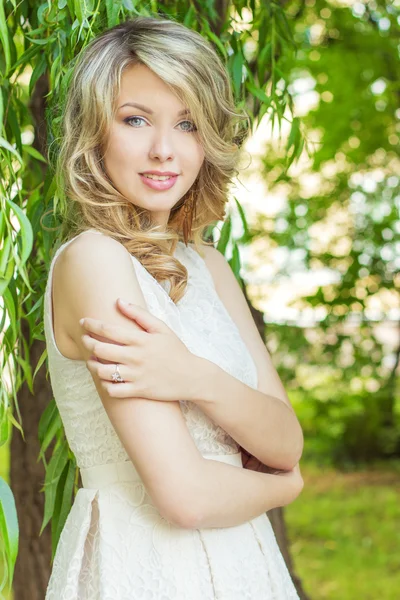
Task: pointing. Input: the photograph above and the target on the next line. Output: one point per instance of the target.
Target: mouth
(158, 184)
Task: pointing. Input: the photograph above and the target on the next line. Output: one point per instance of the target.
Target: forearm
(264, 425)
(232, 495)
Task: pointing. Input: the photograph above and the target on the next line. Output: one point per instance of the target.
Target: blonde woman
(157, 398)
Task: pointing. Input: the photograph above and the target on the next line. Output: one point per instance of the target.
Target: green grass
(344, 531)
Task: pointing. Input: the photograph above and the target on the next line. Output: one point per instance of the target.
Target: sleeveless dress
(115, 545)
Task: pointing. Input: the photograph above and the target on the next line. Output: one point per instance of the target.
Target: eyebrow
(185, 111)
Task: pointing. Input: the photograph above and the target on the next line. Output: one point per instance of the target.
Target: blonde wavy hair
(189, 65)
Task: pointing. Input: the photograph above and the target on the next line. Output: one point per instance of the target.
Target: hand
(252, 463)
(295, 480)
(293, 476)
(153, 361)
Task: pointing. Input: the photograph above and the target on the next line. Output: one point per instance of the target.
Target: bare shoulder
(88, 240)
(88, 277)
(208, 253)
(93, 258)
(215, 262)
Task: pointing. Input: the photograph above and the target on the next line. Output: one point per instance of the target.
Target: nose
(161, 147)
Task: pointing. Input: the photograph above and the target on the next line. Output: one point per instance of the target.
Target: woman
(158, 398)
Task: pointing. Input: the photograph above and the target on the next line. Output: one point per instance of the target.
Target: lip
(158, 173)
(159, 185)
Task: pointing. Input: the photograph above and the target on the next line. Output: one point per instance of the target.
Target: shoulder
(94, 256)
(93, 261)
(209, 253)
(89, 240)
(92, 272)
(217, 265)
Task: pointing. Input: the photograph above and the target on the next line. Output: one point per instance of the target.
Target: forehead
(140, 85)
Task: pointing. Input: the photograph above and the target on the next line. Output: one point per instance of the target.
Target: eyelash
(128, 119)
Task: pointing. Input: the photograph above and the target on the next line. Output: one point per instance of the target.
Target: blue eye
(193, 127)
(129, 119)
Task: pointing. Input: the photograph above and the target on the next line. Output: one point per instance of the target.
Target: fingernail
(81, 321)
(123, 302)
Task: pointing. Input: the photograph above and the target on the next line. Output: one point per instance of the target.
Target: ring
(116, 376)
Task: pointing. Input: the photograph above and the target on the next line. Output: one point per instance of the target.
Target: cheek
(120, 152)
(193, 157)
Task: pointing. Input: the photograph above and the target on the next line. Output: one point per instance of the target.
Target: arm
(154, 434)
(263, 421)
(181, 483)
(232, 496)
(249, 416)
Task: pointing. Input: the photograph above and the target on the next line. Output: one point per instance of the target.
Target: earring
(188, 212)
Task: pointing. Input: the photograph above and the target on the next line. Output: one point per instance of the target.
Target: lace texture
(115, 545)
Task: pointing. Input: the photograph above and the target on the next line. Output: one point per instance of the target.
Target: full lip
(164, 173)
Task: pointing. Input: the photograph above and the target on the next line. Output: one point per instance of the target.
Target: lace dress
(115, 545)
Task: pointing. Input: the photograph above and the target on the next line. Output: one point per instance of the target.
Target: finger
(113, 333)
(105, 372)
(142, 316)
(111, 352)
(122, 390)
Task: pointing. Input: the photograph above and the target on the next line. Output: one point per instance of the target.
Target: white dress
(115, 545)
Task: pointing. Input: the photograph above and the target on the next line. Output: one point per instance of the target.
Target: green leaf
(224, 235)
(39, 69)
(4, 39)
(246, 234)
(54, 426)
(7, 146)
(5, 252)
(45, 419)
(25, 231)
(64, 506)
(25, 57)
(258, 93)
(53, 473)
(1, 110)
(39, 363)
(4, 423)
(235, 264)
(294, 133)
(15, 127)
(16, 424)
(40, 42)
(237, 68)
(33, 152)
(217, 42)
(55, 70)
(78, 10)
(112, 9)
(189, 16)
(9, 529)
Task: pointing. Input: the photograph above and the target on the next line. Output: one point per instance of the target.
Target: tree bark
(32, 568)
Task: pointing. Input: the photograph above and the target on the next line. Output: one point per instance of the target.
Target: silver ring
(116, 376)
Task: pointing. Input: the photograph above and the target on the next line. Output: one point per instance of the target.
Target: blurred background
(323, 267)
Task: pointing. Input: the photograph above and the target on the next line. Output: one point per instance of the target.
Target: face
(155, 137)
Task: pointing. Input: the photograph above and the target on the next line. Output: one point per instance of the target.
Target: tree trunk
(32, 568)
